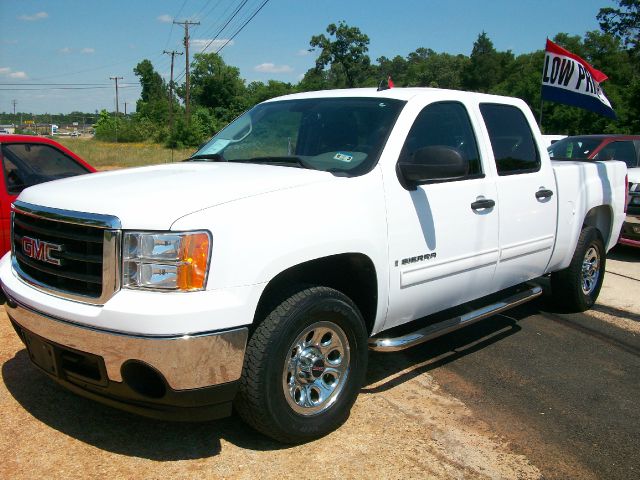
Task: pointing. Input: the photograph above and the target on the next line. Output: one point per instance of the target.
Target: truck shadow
(117, 431)
(388, 370)
(624, 253)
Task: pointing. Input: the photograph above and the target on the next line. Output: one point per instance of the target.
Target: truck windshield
(339, 135)
(573, 147)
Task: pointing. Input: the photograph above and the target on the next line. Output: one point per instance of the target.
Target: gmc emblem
(40, 250)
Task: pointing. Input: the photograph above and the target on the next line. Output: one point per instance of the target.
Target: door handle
(484, 203)
(543, 194)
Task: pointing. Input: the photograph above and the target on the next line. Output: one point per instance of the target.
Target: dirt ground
(403, 425)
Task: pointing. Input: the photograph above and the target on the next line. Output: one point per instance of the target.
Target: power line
(50, 88)
(219, 32)
(244, 2)
(54, 84)
(244, 25)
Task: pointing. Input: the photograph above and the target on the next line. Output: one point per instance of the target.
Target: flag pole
(541, 85)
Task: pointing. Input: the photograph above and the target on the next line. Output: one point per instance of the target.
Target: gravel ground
(404, 424)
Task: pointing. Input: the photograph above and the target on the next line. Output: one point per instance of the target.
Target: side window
(623, 151)
(511, 138)
(444, 124)
(27, 164)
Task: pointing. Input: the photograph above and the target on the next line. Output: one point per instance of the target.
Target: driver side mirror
(432, 164)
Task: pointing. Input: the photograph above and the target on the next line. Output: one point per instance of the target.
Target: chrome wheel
(590, 270)
(316, 368)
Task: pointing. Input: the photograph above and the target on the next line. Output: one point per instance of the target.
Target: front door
(443, 236)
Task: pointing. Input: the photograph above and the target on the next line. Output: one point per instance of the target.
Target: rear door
(526, 195)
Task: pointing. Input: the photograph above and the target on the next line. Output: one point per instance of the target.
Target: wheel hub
(309, 365)
(590, 270)
(316, 369)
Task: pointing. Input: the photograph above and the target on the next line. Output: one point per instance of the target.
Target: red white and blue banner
(568, 79)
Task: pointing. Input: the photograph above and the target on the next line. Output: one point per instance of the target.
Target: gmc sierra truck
(258, 273)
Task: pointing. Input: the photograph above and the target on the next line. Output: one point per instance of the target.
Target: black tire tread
(565, 284)
(250, 400)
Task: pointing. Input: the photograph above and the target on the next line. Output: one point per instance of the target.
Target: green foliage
(111, 129)
(154, 98)
(623, 22)
(189, 133)
(487, 67)
(219, 94)
(259, 92)
(214, 84)
(345, 53)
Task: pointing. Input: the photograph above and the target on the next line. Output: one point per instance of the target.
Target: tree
(345, 53)
(487, 67)
(426, 68)
(216, 85)
(623, 22)
(154, 102)
(259, 92)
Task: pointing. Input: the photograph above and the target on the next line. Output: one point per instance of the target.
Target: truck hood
(155, 197)
(634, 175)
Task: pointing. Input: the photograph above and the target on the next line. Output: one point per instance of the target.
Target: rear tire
(576, 288)
(304, 366)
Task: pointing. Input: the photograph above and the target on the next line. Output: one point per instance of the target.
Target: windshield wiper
(285, 160)
(214, 157)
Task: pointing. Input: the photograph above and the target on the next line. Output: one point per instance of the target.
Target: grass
(111, 156)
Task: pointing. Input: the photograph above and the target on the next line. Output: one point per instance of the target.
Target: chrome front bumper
(186, 362)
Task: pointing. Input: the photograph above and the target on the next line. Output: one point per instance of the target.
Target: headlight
(165, 261)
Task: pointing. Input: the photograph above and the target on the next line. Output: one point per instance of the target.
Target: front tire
(576, 288)
(304, 366)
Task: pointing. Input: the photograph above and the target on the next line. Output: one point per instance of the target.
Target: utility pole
(14, 112)
(186, 24)
(173, 53)
(117, 108)
(125, 109)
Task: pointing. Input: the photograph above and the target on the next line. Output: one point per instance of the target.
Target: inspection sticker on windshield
(343, 157)
(215, 147)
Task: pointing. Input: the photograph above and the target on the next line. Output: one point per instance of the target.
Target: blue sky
(87, 41)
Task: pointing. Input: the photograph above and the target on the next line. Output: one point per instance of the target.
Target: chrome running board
(437, 329)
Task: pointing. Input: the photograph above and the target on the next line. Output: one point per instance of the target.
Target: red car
(27, 161)
(625, 148)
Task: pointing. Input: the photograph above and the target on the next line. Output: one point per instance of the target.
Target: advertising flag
(568, 79)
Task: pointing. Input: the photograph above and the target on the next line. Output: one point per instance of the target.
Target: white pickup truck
(314, 227)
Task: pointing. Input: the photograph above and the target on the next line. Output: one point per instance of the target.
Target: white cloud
(65, 50)
(166, 18)
(10, 42)
(199, 44)
(34, 17)
(273, 68)
(88, 50)
(303, 52)
(8, 72)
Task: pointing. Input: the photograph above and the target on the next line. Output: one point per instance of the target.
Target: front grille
(73, 256)
(80, 255)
